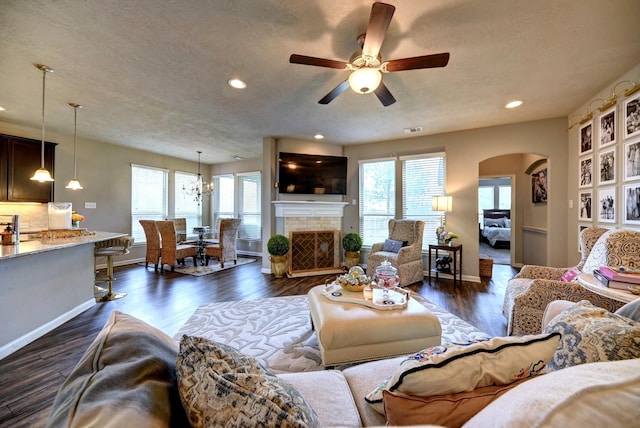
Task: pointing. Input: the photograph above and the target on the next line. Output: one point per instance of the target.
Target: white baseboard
(22, 341)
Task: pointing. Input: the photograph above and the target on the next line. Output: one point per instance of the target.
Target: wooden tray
(397, 299)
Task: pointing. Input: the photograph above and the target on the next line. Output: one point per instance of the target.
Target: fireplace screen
(314, 251)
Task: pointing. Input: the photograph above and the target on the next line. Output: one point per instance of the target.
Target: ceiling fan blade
(335, 92)
(319, 62)
(384, 95)
(417, 62)
(379, 21)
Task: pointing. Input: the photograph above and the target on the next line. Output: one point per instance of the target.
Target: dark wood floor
(30, 377)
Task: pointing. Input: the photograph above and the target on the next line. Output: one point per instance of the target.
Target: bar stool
(109, 249)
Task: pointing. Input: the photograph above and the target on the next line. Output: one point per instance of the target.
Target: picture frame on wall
(585, 171)
(607, 166)
(607, 127)
(607, 205)
(586, 138)
(585, 204)
(632, 160)
(631, 196)
(539, 186)
(631, 111)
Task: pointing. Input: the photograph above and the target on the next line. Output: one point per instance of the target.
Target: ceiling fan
(366, 65)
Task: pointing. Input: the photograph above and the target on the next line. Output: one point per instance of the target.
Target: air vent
(413, 130)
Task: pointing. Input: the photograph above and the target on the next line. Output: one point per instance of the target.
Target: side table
(588, 281)
(456, 268)
(201, 230)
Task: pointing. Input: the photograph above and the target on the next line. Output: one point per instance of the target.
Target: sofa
(530, 291)
(136, 375)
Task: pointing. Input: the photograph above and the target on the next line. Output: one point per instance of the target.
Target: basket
(486, 267)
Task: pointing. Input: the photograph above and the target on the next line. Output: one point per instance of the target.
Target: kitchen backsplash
(33, 216)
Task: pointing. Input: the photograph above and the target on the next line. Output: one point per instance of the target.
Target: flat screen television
(312, 174)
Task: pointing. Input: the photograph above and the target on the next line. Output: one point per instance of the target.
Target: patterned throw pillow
(219, 386)
(591, 334)
(393, 246)
(448, 369)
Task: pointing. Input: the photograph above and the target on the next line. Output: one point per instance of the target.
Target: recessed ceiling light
(237, 83)
(318, 136)
(513, 104)
(2, 108)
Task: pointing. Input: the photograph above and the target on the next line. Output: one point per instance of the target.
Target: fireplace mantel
(309, 209)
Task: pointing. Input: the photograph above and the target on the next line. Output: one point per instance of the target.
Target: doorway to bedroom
(494, 219)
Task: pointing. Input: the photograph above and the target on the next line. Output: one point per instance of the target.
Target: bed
(496, 229)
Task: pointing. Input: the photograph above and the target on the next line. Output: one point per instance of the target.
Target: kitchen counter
(43, 284)
(35, 246)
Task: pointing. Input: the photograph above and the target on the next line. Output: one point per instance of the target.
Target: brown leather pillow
(450, 410)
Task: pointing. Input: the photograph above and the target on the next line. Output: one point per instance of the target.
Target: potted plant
(278, 248)
(352, 244)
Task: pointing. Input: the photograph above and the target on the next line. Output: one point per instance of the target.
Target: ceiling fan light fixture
(365, 80)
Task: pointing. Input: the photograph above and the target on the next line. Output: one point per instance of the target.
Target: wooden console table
(456, 267)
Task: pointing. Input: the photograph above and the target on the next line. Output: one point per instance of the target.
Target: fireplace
(314, 230)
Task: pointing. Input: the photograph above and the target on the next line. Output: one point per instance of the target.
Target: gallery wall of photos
(609, 166)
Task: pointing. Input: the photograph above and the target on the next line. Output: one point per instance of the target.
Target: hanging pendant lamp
(42, 174)
(74, 184)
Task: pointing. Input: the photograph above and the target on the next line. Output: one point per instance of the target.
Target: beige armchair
(226, 248)
(408, 259)
(534, 287)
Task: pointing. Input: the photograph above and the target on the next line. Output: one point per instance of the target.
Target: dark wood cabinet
(19, 158)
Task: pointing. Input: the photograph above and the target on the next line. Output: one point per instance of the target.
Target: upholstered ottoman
(349, 332)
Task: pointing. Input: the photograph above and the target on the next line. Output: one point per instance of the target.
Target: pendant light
(74, 184)
(41, 174)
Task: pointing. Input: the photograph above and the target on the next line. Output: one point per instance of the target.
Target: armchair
(530, 291)
(226, 247)
(408, 258)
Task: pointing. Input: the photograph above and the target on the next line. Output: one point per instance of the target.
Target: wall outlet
(89, 205)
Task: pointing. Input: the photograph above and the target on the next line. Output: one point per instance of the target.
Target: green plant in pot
(278, 248)
(352, 244)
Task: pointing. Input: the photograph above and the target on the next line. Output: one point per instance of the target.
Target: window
(423, 177)
(246, 207)
(149, 190)
(377, 199)
(187, 206)
(223, 199)
(493, 193)
(249, 209)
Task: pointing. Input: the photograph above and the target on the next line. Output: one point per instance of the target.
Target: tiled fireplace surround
(301, 216)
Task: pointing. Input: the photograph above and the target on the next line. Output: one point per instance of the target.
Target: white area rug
(278, 331)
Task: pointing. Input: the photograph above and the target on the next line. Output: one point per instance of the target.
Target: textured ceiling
(152, 74)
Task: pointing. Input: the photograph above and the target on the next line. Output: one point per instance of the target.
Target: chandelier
(197, 188)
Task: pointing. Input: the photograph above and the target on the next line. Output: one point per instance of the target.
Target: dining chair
(225, 249)
(181, 228)
(172, 252)
(153, 243)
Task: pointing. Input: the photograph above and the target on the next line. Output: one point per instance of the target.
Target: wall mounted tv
(312, 174)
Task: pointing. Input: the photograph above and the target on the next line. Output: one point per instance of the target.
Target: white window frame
(419, 186)
(148, 189)
(374, 222)
(185, 206)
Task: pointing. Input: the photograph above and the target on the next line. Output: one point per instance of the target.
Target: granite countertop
(33, 246)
